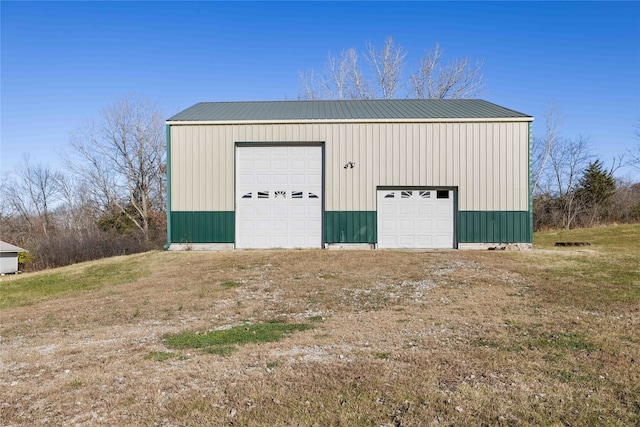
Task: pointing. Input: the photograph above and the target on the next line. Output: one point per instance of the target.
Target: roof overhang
(351, 121)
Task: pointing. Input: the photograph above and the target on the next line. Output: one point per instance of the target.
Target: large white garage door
(415, 219)
(278, 197)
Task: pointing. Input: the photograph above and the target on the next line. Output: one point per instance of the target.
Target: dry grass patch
(397, 338)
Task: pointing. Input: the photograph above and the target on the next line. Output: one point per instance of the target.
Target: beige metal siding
(486, 161)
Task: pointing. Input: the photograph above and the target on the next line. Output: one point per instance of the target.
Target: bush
(57, 250)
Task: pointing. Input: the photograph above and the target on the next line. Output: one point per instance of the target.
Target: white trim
(343, 121)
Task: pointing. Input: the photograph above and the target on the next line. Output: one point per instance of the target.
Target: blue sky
(62, 62)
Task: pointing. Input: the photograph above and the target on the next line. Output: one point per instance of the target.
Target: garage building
(363, 173)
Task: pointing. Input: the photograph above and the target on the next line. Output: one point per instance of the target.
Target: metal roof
(356, 110)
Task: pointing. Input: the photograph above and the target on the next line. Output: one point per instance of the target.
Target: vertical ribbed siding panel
(493, 227)
(458, 133)
(508, 202)
(351, 227)
(174, 180)
(445, 146)
(202, 168)
(417, 153)
(447, 176)
(435, 164)
(196, 195)
(485, 159)
(374, 169)
(500, 187)
(353, 197)
(463, 189)
(330, 168)
(363, 168)
(339, 138)
(202, 227)
(207, 172)
(473, 200)
(424, 152)
(367, 156)
(524, 157)
(404, 156)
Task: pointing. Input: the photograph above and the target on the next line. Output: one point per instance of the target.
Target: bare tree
(568, 158)
(33, 193)
(309, 89)
(387, 65)
(77, 213)
(119, 157)
(542, 146)
(455, 80)
(344, 78)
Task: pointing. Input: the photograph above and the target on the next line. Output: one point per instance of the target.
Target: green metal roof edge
(345, 110)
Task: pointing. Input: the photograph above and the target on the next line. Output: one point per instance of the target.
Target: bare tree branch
(567, 159)
(344, 78)
(458, 79)
(634, 154)
(33, 193)
(387, 65)
(542, 146)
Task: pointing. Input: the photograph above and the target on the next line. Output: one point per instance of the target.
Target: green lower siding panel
(350, 227)
(203, 227)
(494, 227)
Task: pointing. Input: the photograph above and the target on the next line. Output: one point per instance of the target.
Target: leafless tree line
(571, 189)
(380, 73)
(109, 200)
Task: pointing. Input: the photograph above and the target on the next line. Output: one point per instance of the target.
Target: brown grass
(399, 339)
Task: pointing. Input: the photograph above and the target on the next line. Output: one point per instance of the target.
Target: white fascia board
(330, 121)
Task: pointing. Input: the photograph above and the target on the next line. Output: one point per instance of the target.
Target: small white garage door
(415, 219)
(279, 197)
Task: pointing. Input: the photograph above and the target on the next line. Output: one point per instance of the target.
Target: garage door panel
(424, 241)
(443, 210)
(405, 209)
(262, 165)
(415, 219)
(442, 240)
(264, 179)
(315, 180)
(442, 225)
(424, 209)
(298, 165)
(405, 226)
(423, 225)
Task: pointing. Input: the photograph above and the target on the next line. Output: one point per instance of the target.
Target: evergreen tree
(596, 189)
